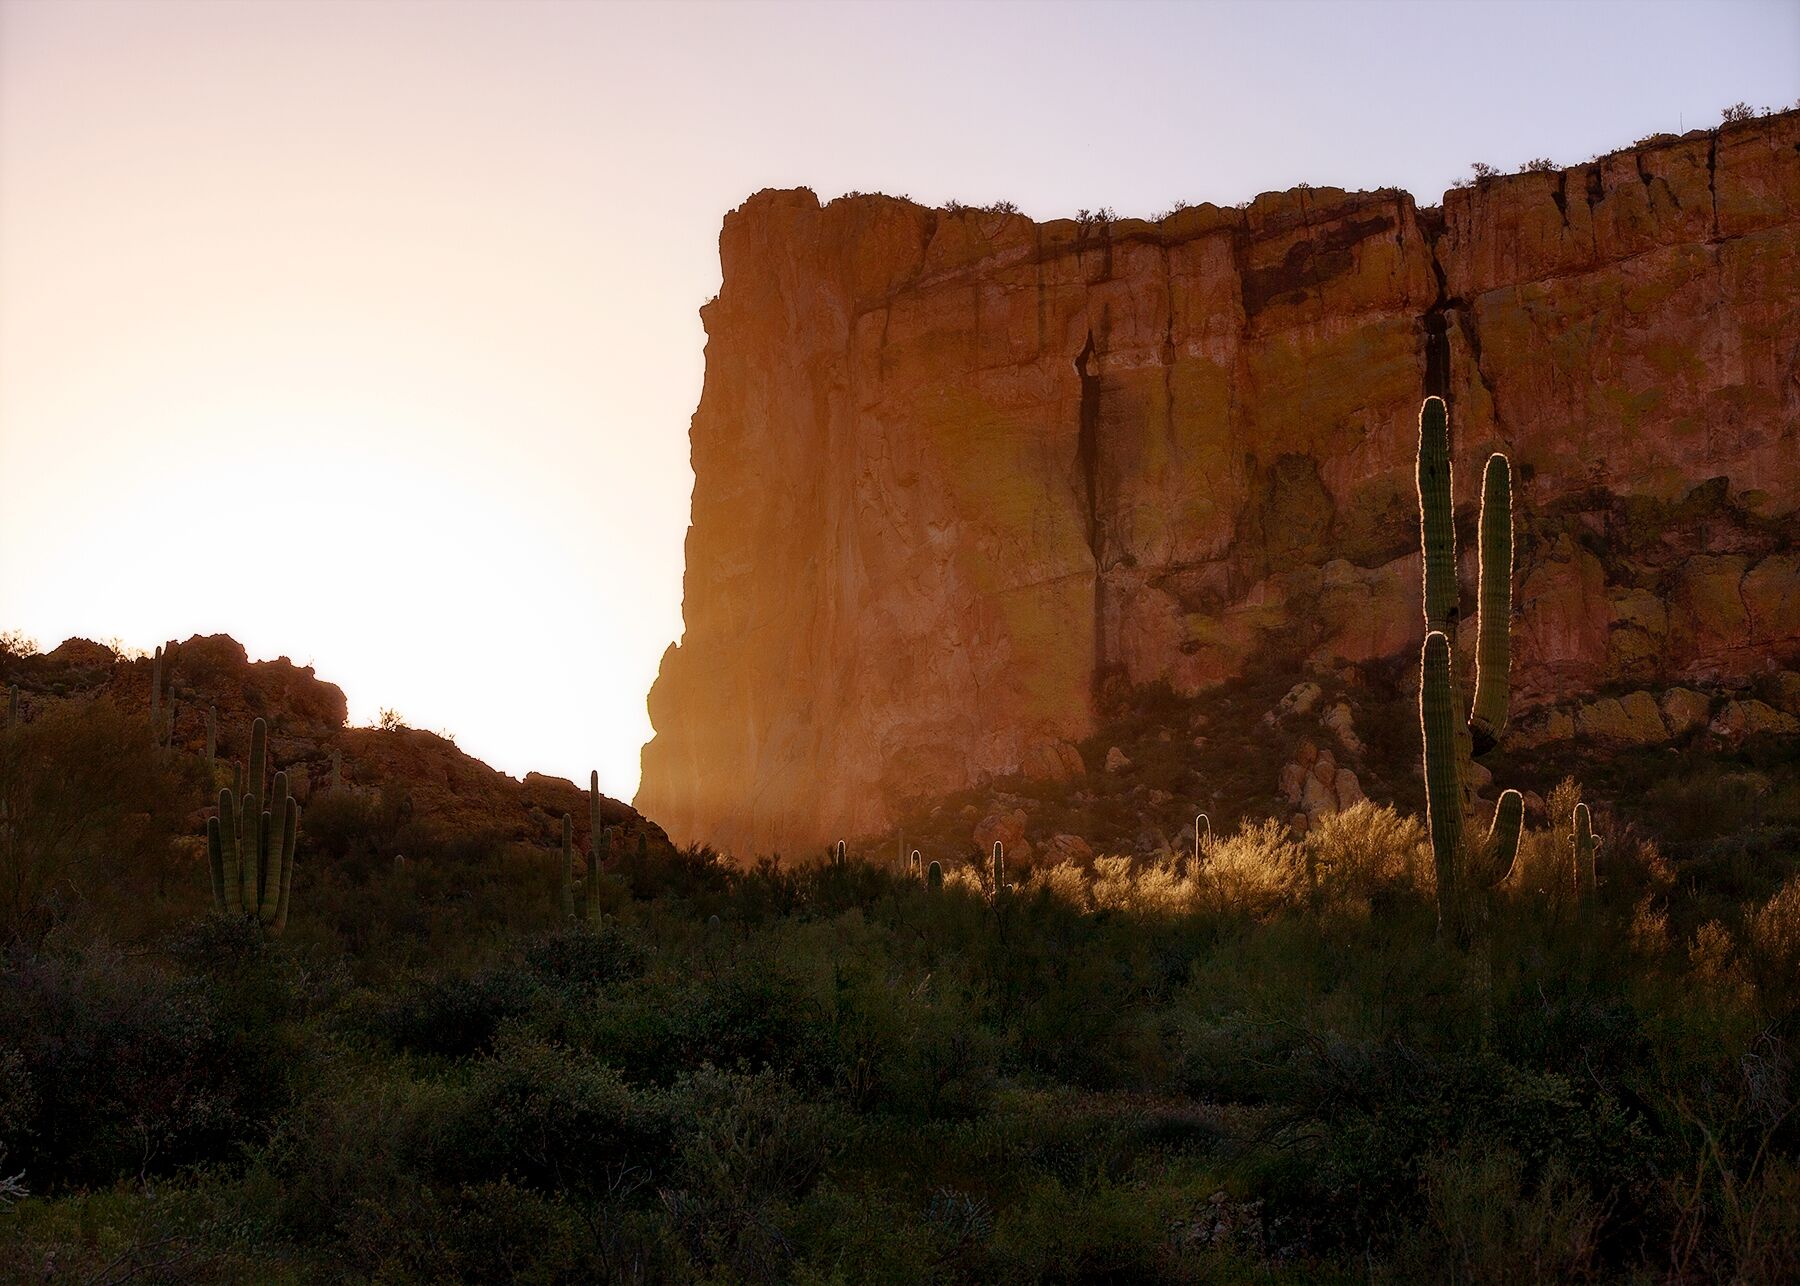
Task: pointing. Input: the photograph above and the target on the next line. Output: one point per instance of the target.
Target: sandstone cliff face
(955, 472)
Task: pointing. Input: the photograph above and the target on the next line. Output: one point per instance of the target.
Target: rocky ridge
(443, 787)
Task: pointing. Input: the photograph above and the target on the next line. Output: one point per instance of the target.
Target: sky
(367, 332)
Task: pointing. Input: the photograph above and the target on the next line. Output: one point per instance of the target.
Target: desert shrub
(1367, 853)
(453, 1016)
(910, 1046)
(359, 1146)
(1774, 947)
(91, 810)
(579, 963)
(557, 1119)
(1486, 1223)
(752, 1148)
(1255, 871)
(125, 1071)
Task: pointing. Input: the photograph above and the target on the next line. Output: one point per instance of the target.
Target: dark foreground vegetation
(1263, 1067)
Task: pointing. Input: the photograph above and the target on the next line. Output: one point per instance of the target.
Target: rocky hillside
(961, 479)
(437, 784)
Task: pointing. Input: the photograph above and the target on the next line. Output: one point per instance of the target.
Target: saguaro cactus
(915, 865)
(999, 868)
(599, 850)
(251, 843)
(1583, 843)
(162, 709)
(1466, 866)
(568, 863)
(934, 877)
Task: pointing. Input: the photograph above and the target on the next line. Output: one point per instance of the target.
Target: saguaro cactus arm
(1502, 846)
(1493, 648)
(291, 833)
(1586, 876)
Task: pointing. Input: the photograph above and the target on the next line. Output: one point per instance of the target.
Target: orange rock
(956, 472)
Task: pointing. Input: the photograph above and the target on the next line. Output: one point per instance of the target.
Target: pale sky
(367, 333)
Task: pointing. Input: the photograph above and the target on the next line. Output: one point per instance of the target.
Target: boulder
(1633, 720)
(1008, 828)
(1067, 848)
(1740, 719)
(1684, 710)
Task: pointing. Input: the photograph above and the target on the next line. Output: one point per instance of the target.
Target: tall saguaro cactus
(162, 706)
(999, 868)
(1467, 866)
(251, 842)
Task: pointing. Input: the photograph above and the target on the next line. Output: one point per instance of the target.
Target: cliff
(959, 475)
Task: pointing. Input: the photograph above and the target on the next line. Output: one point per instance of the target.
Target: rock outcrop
(956, 472)
(447, 790)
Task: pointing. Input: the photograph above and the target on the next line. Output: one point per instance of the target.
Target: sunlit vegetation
(1254, 1062)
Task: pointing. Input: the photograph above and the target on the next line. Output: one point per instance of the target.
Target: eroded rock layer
(957, 472)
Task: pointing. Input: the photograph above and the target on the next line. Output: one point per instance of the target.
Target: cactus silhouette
(1466, 867)
(250, 844)
(163, 707)
(934, 877)
(915, 865)
(999, 868)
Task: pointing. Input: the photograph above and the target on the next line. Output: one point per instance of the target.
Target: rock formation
(957, 472)
(446, 790)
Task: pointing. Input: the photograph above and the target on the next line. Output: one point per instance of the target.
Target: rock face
(955, 470)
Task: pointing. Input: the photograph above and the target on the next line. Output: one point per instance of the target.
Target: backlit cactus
(1493, 645)
(1582, 839)
(934, 877)
(999, 868)
(250, 844)
(1466, 867)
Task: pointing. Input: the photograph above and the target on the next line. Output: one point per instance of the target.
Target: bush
(115, 1069)
(558, 1120)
